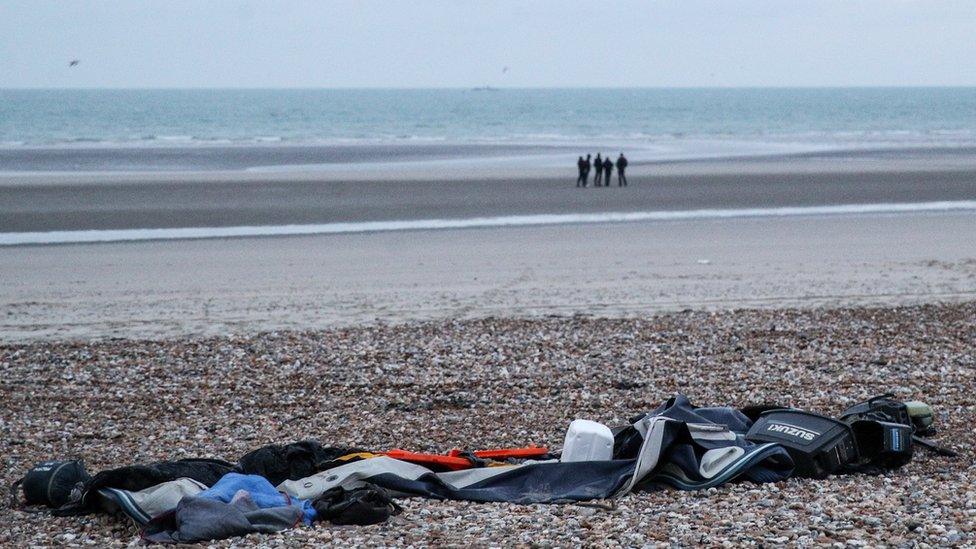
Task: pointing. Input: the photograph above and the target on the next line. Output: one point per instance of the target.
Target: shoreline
(24, 164)
(161, 200)
(160, 289)
(94, 236)
(654, 262)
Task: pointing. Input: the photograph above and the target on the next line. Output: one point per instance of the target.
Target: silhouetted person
(582, 171)
(621, 166)
(607, 170)
(597, 165)
(586, 170)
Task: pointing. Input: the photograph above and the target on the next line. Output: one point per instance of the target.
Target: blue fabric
(203, 519)
(262, 493)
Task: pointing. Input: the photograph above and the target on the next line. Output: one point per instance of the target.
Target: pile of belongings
(679, 445)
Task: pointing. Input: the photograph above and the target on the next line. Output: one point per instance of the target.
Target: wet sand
(205, 287)
(214, 204)
(83, 201)
(162, 289)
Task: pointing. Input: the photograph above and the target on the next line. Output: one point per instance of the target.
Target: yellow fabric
(357, 456)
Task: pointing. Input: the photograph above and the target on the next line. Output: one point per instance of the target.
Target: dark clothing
(621, 166)
(279, 463)
(597, 165)
(582, 166)
(608, 170)
(203, 519)
(140, 477)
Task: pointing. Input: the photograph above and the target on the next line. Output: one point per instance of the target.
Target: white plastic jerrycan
(587, 441)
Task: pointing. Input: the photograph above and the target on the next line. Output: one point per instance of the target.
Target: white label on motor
(792, 430)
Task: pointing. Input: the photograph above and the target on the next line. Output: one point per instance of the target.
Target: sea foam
(185, 233)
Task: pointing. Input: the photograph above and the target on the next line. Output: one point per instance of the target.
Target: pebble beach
(492, 382)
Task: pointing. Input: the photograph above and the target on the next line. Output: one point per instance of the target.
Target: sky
(464, 43)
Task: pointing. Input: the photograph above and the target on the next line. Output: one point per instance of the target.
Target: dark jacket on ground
(279, 463)
(140, 477)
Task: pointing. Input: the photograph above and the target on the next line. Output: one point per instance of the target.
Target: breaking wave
(185, 233)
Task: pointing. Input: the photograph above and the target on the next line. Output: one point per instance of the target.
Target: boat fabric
(677, 444)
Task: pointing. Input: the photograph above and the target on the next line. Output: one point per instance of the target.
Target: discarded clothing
(139, 477)
(202, 519)
(676, 445)
(262, 493)
(279, 463)
(141, 506)
(366, 505)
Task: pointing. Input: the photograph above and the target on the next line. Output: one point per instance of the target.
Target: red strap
(450, 462)
(505, 453)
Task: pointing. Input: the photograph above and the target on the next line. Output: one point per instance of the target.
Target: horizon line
(482, 87)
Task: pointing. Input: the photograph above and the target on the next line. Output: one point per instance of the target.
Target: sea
(544, 125)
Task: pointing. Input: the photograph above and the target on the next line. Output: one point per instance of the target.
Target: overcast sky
(463, 43)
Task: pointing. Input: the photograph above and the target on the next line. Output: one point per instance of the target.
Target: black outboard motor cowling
(819, 445)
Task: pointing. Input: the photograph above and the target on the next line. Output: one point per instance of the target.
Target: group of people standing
(603, 168)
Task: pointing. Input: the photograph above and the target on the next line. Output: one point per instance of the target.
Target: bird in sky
(74, 62)
(504, 70)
